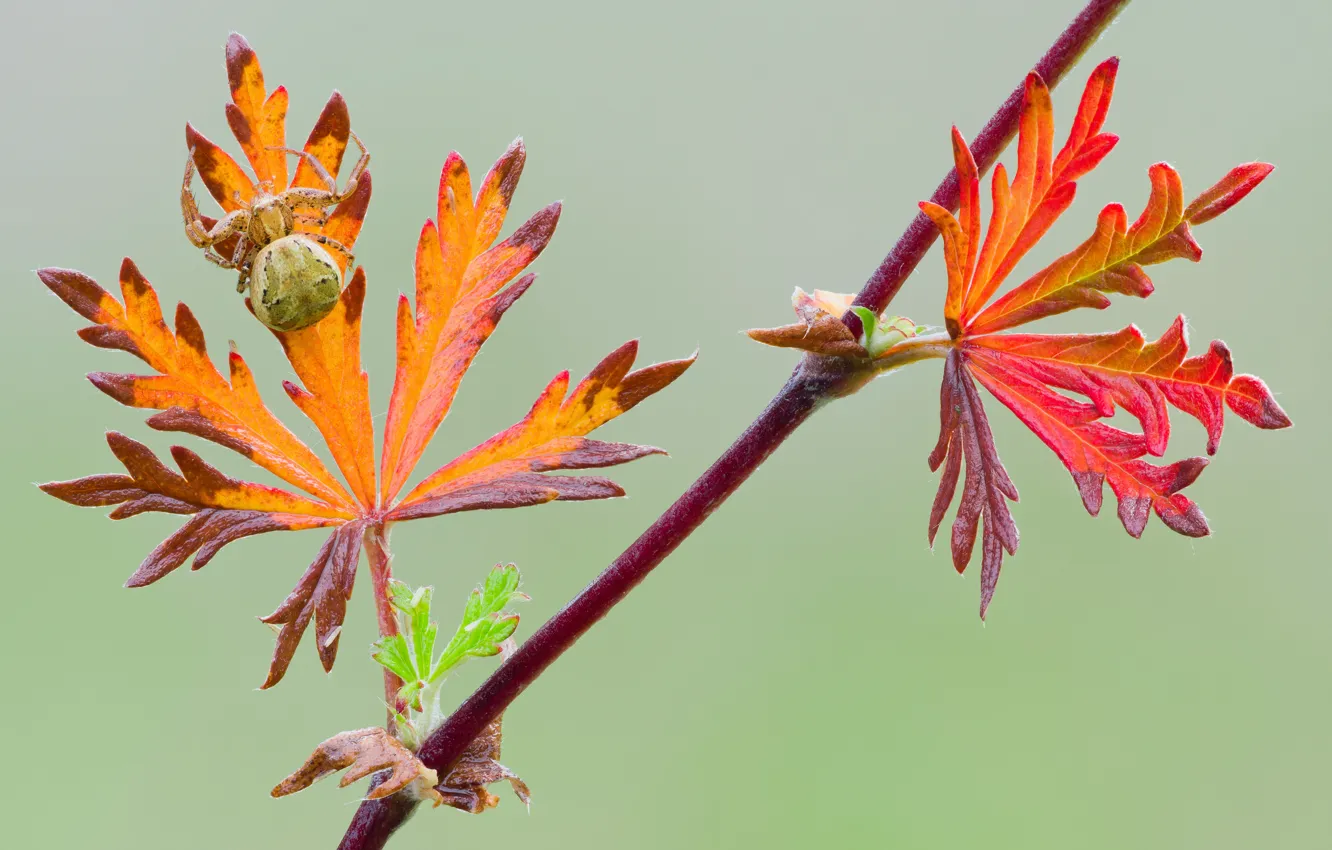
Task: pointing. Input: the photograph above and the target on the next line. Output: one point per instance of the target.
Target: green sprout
(409, 655)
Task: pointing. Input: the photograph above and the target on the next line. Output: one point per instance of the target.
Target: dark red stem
(888, 278)
(813, 382)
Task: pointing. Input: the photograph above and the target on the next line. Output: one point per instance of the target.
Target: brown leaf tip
(239, 55)
(363, 752)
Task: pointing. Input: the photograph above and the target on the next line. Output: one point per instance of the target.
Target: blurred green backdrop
(803, 672)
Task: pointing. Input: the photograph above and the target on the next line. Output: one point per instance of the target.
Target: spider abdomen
(294, 283)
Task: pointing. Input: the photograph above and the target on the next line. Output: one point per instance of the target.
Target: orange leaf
(1112, 259)
(1042, 189)
(327, 143)
(192, 395)
(1229, 190)
(229, 185)
(255, 130)
(460, 296)
(224, 509)
(1031, 374)
(504, 471)
(464, 285)
(327, 358)
(273, 131)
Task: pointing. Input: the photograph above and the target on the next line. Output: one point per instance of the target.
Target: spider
(293, 279)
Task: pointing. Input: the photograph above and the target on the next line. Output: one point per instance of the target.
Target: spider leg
(198, 234)
(217, 259)
(332, 243)
(361, 164)
(309, 198)
(212, 256)
(301, 196)
(241, 258)
(242, 250)
(201, 237)
(189, 207)
(320, 171)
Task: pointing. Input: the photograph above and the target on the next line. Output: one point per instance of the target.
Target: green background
(803, 672)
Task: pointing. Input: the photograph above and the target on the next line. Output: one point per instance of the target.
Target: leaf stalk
(380, 557)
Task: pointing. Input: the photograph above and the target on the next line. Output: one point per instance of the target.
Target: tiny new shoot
(485, 628)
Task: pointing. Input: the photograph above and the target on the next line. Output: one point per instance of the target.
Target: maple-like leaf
(1036, 375)
(1033, 375)
(464, 284)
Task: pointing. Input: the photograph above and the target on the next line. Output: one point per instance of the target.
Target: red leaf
(964, 432)
(1033, 374)
(1095, 453)
(1230, 190)
(1043, 187)
(1028, 372)
(1144, 378)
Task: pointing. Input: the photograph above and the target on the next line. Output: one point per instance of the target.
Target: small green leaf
(482, 628)
(421, 629)
(400, 595)
(868, 324)
(393, 653)
(504, 628)
(485, 626)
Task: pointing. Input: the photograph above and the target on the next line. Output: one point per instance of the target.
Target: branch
(888, 278)
(814, 381)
